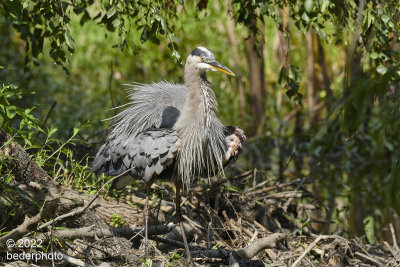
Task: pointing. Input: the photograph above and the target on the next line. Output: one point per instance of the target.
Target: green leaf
(68, 40)
(176, 55)
(305, 17)
(381, 69)
(14, 8)
(164, 27)
(76, 130)
(374, 55)
(308, 5)
(385, 18)
(175, 256)
(369, 228)
(111, 12)
(231, 188)
(282, 77)
(324, 5)
(174, 38)
(52, 131)
(145, 35)
(148, 262)
(116, 23)
(11, 111)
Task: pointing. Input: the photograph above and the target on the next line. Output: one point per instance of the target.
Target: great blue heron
(171, 131)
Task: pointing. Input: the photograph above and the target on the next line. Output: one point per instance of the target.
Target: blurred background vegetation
(317, 87)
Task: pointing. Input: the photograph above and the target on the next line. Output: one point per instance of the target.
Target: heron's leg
(178, 186)
(146, 219)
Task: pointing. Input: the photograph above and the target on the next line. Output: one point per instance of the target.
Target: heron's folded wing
(145, 156)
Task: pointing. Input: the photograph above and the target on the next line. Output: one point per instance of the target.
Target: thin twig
(174, 243)
(396, 247)
(73, 260)
(369, 258)
(49, 113)
(308, 249)
(110, 87)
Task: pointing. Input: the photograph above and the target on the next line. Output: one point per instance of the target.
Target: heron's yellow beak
(219, 67)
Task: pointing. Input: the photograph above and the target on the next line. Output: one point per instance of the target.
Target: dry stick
(370, 259)
(390, 248)
(308, 249)
(90, 232)
(260, 226)
(245, 253)
(172, 242)
(288, 194)
(239, 176)
(254, 236)
(80, 210)
(215, 233)
(298, 181)
(267, 242)
(48, 114)
(228, 222)
(110, 87)
(73, 260)
(396, 247)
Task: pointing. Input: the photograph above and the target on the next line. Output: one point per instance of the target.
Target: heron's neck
(200, 131)
(201, 104)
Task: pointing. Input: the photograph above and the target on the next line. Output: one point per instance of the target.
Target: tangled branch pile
(264, 225)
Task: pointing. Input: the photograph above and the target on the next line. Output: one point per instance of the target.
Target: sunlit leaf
(11, 111)
(111, 12)
(381, 69)
(308, 5)
(369, 228)
(385, 18)
(68, 40)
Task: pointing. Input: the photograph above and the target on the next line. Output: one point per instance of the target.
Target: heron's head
(204, 60)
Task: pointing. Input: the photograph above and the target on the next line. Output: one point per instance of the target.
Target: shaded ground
(266, 225)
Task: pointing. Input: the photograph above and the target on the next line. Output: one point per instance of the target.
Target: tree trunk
(230, 28)
(325, 77)
(257, 82)
(313, 115)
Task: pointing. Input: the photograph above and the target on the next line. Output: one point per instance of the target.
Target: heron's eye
(202, 59)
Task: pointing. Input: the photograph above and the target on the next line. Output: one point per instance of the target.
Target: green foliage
(147, 262)
(291, 80)
(38, 21)
(369, 228)
(174, 258)
(11, 114)
(117, 221)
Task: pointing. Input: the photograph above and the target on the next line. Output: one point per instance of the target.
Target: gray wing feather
(141, 155)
